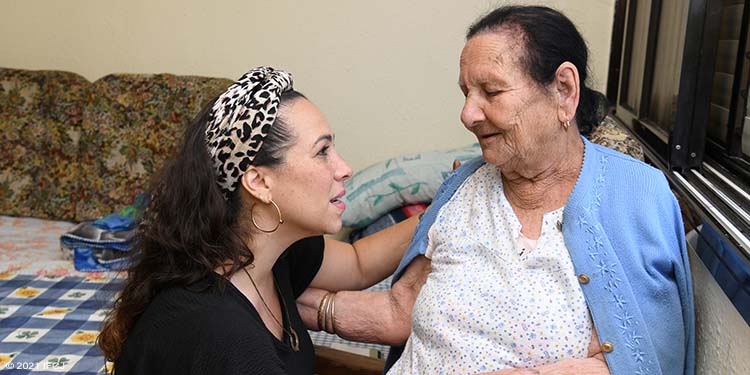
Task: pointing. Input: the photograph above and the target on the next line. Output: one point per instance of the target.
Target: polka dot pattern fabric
(491, 302)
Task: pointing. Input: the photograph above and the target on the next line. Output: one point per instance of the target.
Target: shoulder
(636, 201)
(463, 172)
(305, 245)
(610, 156)
(623, 173)
(306, 253)
(455, 180)
(301, 262)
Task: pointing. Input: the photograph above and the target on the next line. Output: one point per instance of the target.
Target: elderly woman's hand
(585, 366)
(595, 364)
(595, 349)
(514, 371)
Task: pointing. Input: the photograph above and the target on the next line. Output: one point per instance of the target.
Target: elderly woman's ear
(568, 89)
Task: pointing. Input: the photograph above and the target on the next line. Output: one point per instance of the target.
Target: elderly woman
(548, 253)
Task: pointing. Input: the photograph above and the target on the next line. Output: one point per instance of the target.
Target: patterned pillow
(611, 135)
(402, 180)
(393, 217)
(40, 130)
(130, 128)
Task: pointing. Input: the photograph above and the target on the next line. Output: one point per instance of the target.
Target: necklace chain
(293, 338)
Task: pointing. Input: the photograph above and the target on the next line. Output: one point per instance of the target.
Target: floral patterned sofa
(74, 150)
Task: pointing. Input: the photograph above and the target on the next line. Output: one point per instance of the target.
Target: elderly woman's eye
(324, 151)
(493, 93)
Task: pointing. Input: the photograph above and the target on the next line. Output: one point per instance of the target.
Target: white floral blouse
(494, 299)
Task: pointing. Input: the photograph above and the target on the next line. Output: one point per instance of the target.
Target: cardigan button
(583, 278)
(607, 347)
(559, 225)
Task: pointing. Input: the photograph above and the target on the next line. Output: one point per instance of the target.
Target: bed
(50, 314)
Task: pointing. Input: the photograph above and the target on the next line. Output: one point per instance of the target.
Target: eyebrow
(326, 137)
(485, 81)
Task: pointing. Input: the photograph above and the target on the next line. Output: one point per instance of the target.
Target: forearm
(379, 254)
(594, 364)
(374, 317)
(381, 317)
(583, 366)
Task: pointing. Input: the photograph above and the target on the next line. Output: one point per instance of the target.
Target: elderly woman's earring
(566, 124)
(278, 211)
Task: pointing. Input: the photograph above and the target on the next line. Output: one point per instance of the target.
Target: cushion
(40, 130)
(395, 216)
(611, 135)
(399, 181)
(130, 128)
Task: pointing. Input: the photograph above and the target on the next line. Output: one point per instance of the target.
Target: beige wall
(384, 72)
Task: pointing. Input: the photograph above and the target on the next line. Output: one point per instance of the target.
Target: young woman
(233, 236)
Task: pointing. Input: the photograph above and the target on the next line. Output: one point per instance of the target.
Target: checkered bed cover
(49, 325)
(34, 339)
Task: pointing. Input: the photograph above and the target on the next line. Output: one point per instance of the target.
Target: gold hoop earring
(278, 211)
(566, 124)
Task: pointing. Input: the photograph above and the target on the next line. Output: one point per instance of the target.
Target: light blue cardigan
(623, 228)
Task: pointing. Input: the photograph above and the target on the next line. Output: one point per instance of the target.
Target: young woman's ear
(256, 183)
(567, 83)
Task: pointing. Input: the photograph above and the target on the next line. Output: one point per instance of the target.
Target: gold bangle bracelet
(333, 313)
(321, 310)
(328, 313)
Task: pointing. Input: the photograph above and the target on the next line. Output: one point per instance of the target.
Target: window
(727, 131)
(683, 77)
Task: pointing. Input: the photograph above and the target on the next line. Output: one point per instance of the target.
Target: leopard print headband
(241, 118)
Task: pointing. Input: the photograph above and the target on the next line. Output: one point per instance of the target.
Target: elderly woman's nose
(471, 114)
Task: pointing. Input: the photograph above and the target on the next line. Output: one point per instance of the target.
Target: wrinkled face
(309, 184)
(513, 117)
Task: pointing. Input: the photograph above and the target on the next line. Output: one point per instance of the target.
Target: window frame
(682, 152)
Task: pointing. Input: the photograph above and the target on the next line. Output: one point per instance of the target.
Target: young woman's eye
(324, 151)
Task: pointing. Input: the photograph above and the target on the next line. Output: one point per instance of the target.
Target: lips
(336, 201)
(488, 135)
(487, 139)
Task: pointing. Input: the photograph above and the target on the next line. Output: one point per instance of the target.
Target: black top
(202, 329)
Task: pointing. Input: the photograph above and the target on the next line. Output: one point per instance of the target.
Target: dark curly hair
(189, 229)
(550, 39)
